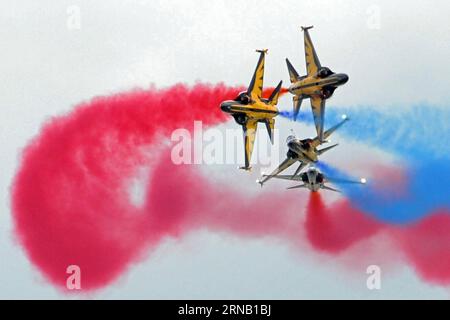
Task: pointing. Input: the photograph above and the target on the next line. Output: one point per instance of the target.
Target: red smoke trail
(181, 199)
(69, 197)
(71, 203)
(284, 90)
(427, 246)
(338, 227)
(268, 91)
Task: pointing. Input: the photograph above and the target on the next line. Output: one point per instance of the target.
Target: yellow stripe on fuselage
(311, 85)
(255, 110)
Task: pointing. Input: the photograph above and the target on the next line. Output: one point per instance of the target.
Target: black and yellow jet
(314, 180)
(318, 85)
(250, 107)
(304, 152)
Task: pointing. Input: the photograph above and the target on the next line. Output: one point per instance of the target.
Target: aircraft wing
(312, 61)
(322, 151)
(283, 166)
(288, 177)
(318, 109)
(297, 187)
(256, 85)
(346, 181)
(249, 140)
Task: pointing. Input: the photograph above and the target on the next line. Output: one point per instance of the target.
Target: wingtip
(261, 183)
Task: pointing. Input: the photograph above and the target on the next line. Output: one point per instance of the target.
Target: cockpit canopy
(319, 178)
(305, 177)
(290, 138)
(313, 176)
(243, 98)
(324, 72)
(306, 144)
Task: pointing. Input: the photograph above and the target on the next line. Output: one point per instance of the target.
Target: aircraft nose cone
(225, 106)
(343, 78)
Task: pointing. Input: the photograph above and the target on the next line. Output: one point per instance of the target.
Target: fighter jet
(314, 180)
(318, 85)
(249, 108)
(303, 151)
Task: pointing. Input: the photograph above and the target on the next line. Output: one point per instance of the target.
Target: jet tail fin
(297, 101)
(306, 28)
(270, 125)
(273, 99)
(293, 74)
(331, 189)
(300, 168)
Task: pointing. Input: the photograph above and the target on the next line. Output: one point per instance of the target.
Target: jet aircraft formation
(249, 108)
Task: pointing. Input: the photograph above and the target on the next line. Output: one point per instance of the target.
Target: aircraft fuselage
(319, 86)
(243, 108)
(313, 180)
(302, 150)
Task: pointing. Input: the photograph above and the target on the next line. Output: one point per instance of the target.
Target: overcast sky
(395, 52)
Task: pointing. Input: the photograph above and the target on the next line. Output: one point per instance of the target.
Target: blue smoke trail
(417, 133)
(426, 192)
(420, 135)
